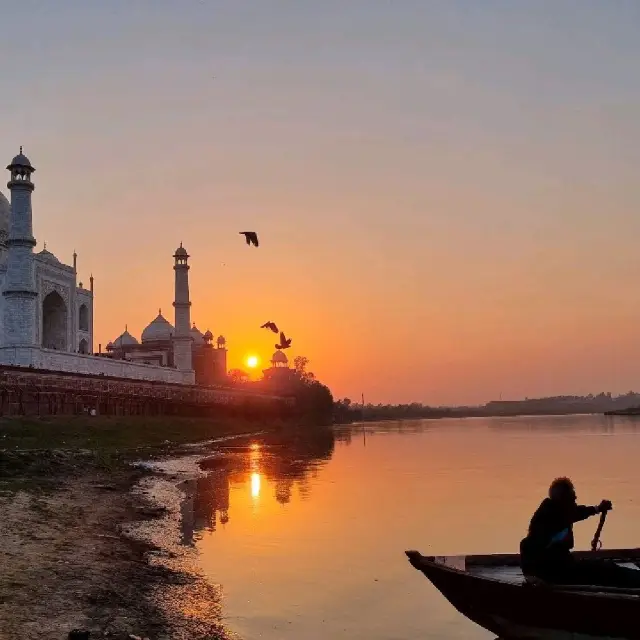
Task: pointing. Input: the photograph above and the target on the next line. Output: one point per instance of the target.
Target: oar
(590, 588)
(596, 542)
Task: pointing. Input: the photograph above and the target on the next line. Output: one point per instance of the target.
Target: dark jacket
(548, 544)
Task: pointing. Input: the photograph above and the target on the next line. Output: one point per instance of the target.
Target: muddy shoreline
(101, 551)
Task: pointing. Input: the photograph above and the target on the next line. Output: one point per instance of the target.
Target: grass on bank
(112, 434)
(36, 452)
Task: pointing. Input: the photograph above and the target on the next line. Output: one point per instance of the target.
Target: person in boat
(545, 553)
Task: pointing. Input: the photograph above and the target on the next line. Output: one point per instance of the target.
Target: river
(307, 539)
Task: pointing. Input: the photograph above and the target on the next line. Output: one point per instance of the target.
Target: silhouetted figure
(251, 237)
(78, 634)
(546, 551)
(270, 325)
(285, 342)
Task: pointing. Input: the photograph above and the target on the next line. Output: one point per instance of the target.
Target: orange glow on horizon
(445, 234)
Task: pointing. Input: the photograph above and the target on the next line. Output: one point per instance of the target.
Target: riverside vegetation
(66, 500)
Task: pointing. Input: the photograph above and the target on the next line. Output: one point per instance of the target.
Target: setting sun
(252, 362)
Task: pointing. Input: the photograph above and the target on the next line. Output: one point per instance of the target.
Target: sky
(445, 191)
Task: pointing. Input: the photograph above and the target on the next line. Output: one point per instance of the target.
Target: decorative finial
(126, 327)
(20, 148)
(159, 311)
(181, 245)
(45, 242)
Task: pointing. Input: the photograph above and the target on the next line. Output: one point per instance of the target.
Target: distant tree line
(345, 411)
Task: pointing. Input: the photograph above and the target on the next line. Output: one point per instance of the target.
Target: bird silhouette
(285, 342)
(270, 325)
(251, 237)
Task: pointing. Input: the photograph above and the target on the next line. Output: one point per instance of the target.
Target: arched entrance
(54, 322)
(83, 347)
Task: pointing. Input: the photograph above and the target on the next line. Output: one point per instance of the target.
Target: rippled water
(307, 538)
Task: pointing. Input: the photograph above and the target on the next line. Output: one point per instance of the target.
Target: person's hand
(605, 505)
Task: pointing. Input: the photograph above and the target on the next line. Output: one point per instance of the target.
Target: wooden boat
(491, 591)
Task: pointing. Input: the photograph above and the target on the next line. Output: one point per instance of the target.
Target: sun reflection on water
(255, 485)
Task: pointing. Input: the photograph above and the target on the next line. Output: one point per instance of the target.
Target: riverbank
(631, 411)
(68, 559)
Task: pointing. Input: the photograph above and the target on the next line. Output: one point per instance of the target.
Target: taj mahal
(46, 315)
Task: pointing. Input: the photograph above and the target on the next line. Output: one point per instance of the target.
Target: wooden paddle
(596, 543)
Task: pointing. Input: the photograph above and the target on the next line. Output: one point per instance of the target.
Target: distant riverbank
(631, 411)
(383, 416)
(346, 412)
(67, 502)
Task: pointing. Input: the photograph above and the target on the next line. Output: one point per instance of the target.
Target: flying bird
(270, 325)
(285, 342)
(251, 237)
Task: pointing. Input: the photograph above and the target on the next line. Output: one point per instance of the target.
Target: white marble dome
(21, 161)
(124, 340)
(47, 255)
(196, 335)
(158, 329)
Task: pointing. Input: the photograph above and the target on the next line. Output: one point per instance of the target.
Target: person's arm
(582, 512)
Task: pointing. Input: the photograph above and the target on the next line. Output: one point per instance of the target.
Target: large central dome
(158, 329)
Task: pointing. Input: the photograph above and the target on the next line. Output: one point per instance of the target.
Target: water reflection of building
(283, 490)
(206, 503)
(287, 462)
(212, 500)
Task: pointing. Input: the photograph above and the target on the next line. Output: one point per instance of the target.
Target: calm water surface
(307, 540)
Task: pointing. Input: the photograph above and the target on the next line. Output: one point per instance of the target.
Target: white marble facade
(63, 307)
(46, 315)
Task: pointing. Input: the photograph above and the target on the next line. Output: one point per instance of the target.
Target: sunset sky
(446, 192)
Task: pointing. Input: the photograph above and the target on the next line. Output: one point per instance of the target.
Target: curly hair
(561, 487)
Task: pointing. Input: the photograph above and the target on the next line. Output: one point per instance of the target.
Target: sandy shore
(101, 551)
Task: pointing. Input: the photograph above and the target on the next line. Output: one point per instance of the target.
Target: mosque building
(46, 315)
(208, 357)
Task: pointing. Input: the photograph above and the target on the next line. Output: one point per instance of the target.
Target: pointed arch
(54, 322)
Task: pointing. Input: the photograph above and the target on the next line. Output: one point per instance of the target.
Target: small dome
(221, 341)
(21, 161)
(196, 334)
(208, 336)
(158, 329)
(181, 252)
(125, 340)
(279, 357)
(109, 346)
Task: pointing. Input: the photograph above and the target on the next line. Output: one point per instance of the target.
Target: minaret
(182, 337)
(19, 292)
